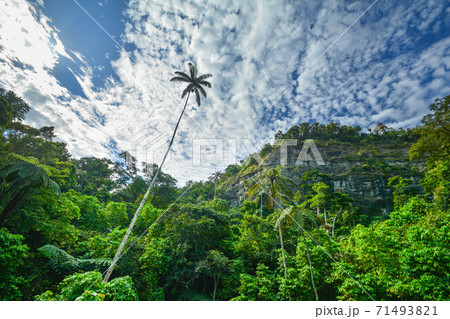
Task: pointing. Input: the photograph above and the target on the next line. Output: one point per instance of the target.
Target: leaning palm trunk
(310, 267)
(133, 221)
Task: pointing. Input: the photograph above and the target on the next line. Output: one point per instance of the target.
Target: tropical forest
(341, 214)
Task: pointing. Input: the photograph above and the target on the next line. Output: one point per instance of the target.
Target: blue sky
(274, 64)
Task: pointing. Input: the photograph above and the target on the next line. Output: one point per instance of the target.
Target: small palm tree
(215, 177)
(19, 178)
(279, 186)
(195, 85)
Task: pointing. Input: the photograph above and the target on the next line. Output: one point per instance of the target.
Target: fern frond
(59, 260)
(283, 215)
(64, 263)
(28, 159)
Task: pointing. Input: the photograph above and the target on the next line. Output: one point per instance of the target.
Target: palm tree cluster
(280, 187)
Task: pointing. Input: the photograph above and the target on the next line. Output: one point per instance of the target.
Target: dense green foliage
(64, 218)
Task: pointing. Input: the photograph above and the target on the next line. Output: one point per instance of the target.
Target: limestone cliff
(360, 168)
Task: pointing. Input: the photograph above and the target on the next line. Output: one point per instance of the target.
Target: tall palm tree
(18, 179)
(279, 186)
(195, 85)
(297, 214)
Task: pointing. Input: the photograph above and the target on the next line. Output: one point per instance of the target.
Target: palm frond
(288, 180)
(298, 196)
(205, 83)
(186, 90)
(300, 220)
(192, 70)
(285, 188)
(306, 215)
(311, 217)
(202, 90)
(197, 97)
(254, 189)
(269, 202)
(179, 79)
(204, 77)
(182, 74)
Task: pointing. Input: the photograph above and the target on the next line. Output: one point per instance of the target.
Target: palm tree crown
(196, 82)
(215, 176)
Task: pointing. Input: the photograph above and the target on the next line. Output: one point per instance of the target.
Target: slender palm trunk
(216, 282)
(282, 250)
(215, 184)
(260, 211)
(133, 221)
(334, 223)
(325, 217)
(310, 267)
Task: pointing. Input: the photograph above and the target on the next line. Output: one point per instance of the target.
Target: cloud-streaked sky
(104, 84)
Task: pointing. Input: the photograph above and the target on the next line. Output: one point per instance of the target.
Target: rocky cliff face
(361, 170)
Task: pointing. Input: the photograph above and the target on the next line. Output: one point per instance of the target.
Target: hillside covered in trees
(372, 223)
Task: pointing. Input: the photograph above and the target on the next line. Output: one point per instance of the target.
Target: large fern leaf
(59, 260)
(63, 263)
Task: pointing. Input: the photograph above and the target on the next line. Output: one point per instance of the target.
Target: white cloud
(255, 50)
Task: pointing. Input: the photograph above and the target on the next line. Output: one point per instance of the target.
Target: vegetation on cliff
(370, 224)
